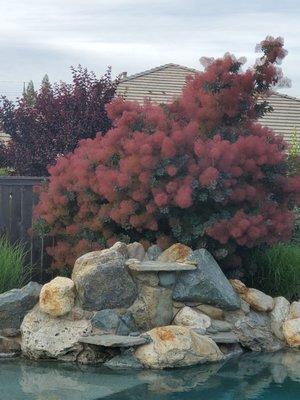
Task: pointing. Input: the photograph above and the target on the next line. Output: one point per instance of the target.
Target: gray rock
(233, 316)
(136, 250)
(221, 326)
(110, 340)
(15, 304)
(167, 279)
(106, 319)
(102, 280)
(126, 324)
(211, 330)
(254, 332)
(150, 266)
(134, 333)
(9, 347)
(200, 331)
(153, 252)
(223, 337)
(231, 350)
(207, 284)
(92, 355)
(126, 360)
(245, 307)
(154, 307)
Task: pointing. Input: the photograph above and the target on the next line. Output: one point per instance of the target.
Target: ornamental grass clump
(200, 170)
(13, 271)
(278, 270)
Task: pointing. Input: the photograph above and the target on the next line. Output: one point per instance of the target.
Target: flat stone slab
(223, 337)
(153, 266)
(114, 340)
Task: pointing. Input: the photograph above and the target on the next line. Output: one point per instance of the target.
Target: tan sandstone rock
(278, 315)
(238, 286)
(281, 309)
(258, 300)
(291, 331)
(211, 311)
(188, 316)
(177, 252)
(177, 346)
(57, 296)
(294, 310)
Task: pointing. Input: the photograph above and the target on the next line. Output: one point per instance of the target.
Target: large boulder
(177, 346)
(57, 297)
(254, 333)
(258, 300)
(206, 284)
(188, 316)
(44, 336)
(153, 307)
(15, 304)
(102, 279)
(291, 331)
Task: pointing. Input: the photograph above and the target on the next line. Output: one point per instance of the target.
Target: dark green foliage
(13, 271)
(277, 270)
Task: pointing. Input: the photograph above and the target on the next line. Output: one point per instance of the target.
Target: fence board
(16, 208)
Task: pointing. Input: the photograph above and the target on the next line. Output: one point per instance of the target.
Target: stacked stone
(128, 308)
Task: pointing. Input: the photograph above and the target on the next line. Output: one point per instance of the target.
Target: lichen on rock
(58, 296)
(177, 346)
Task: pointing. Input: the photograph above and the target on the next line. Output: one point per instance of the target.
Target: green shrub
(13, 271)
(278, 271)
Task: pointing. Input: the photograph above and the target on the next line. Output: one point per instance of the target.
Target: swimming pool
(273, 376)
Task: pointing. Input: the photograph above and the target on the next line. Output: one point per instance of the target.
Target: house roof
(161, 84)
(285, 119)
(164, 83)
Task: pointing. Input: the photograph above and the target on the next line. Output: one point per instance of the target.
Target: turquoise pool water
(265, 376)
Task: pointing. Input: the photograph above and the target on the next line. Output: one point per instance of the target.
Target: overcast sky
(48, 36)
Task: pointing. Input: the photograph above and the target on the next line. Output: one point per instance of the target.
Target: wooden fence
(17, 200)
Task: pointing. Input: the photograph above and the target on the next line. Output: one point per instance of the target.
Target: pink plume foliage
(199, 170)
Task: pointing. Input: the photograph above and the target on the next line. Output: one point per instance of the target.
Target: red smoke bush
(200, 170)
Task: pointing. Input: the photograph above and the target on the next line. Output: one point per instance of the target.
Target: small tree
(29, 94)
(46, 85)
(200, 170)
(46, 124)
